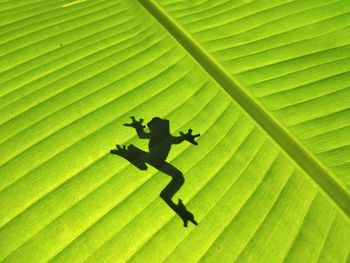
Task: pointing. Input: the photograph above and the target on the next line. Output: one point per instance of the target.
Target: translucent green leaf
(264, 82)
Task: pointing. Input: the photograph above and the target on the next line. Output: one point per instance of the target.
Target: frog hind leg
(134, 155)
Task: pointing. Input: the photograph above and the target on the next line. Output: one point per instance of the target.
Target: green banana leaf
(265, 83)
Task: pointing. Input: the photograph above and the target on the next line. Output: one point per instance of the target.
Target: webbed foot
(121, 150)
(185, 215)
(131, 153)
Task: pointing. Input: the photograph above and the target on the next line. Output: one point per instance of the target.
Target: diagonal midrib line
(294, 149)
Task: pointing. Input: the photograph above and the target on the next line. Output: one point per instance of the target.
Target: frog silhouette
(160, 142)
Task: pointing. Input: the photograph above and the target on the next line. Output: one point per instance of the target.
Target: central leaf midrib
(295, 150)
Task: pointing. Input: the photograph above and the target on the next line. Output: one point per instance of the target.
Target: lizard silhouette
(160, 142)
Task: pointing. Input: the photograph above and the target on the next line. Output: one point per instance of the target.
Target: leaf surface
(73, 72)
